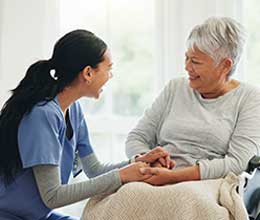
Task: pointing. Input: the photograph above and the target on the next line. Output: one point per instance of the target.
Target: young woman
(42, 130)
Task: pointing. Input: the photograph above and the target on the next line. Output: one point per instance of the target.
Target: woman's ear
(87, 74)
(227, 65)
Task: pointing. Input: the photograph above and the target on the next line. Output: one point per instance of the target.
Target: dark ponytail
(42, 82)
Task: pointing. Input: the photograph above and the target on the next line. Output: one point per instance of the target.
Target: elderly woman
(210, 123)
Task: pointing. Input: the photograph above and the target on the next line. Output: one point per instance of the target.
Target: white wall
(25, 27)
(29, 28)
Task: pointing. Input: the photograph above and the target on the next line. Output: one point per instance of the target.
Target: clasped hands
(153, 167)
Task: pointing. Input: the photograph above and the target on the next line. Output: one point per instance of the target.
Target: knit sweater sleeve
(56, 195)
(243, 145)
(93, 167)
(143, 137)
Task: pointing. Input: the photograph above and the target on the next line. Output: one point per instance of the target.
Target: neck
(228, 86)
(66, 98)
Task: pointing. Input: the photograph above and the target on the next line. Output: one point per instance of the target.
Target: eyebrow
(193, 57)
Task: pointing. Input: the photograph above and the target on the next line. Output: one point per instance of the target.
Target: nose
(188, 65)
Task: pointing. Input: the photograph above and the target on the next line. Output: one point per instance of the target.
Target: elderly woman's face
(205, 75)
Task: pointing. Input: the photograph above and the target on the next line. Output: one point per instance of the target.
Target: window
(252, 23)
(129, 30)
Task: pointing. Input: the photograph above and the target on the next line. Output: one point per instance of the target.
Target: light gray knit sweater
(221, 134)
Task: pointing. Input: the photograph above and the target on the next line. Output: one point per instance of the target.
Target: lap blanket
(203, 200)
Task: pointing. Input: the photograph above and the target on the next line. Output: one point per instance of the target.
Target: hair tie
(53, 74)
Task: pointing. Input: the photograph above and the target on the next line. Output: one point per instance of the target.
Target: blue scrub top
(42, 140)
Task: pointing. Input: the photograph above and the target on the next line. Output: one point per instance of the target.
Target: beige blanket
(203, 200)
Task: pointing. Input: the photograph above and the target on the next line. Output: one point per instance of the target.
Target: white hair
(219, 38)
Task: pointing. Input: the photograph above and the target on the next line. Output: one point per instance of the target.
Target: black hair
(42, 82)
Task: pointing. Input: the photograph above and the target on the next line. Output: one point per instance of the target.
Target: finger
(145, 177)
(157, 149)
(148, 170)
(160, 149)
(162, 161)
(145, 171)
(172, 164)
(168, 161)
(151, 180)
(156, 156)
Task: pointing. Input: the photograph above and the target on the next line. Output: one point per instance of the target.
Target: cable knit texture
(202, 200)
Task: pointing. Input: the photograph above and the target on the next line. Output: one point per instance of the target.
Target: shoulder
(250, 89)
(45, 112)
(249, 98)
(177, 83)
(177, 87)
(249, 92)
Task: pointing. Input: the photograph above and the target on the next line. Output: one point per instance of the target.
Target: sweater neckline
(231, 92)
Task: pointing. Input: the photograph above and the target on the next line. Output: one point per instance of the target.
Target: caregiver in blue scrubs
(44, 136)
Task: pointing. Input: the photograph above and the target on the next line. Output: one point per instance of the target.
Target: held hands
(132, 172)
(157, 157)
(160, 176)
(141, 170)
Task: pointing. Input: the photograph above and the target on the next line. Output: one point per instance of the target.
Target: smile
(193, 77)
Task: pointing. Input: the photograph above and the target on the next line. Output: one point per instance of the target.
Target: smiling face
(102, 74)
(205, 76)
(96, 78)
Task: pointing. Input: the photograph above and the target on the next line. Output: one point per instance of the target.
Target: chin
(97, 96)
(192, 85)
(195, 86)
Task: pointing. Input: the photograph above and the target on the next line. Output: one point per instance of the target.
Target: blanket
(203, 200)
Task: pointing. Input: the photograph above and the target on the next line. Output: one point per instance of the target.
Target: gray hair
(219, 38)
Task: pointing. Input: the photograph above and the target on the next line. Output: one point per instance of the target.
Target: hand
(131, 172)
(156, 164)
(154, 155)
(160, 176)
(164, 162)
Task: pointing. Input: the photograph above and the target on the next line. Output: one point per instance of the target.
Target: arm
(244, 142)
(143, 137)
(92, 167)
(55, 195)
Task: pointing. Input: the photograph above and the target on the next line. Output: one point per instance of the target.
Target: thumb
(149, 170)
(172, 163)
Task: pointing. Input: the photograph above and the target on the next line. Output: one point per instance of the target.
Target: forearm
(218, 168)
(185, 174)
(92, 167)
(56, 195)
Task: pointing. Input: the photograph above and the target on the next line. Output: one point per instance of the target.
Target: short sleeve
(40, 138)
(83, 145)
